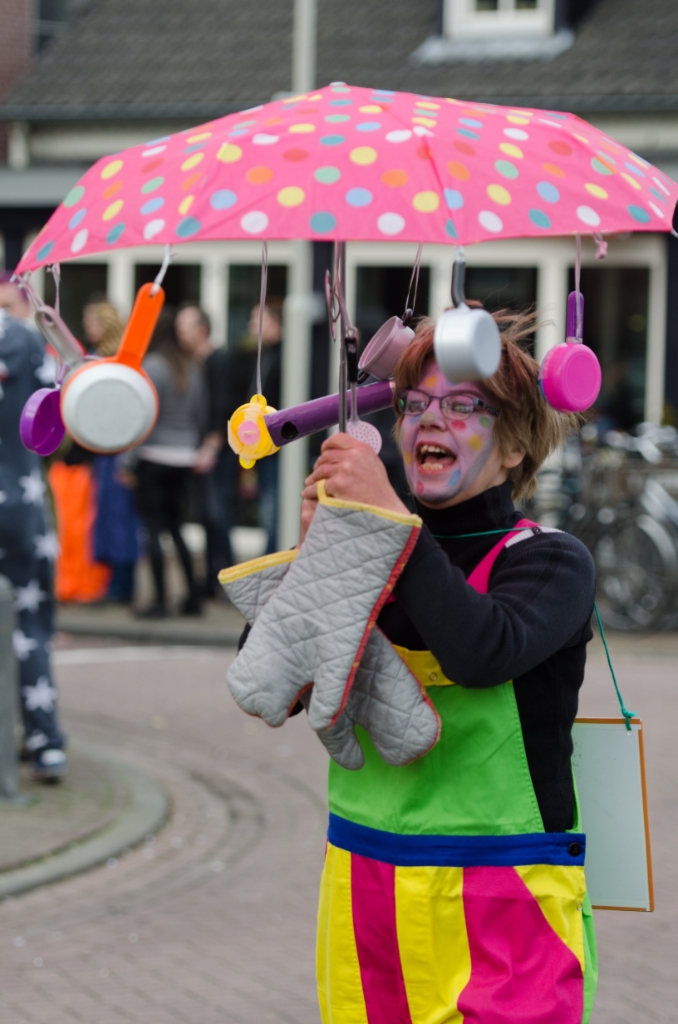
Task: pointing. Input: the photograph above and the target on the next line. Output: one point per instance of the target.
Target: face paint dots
(486, 422)
(458, 425)
(475, 443)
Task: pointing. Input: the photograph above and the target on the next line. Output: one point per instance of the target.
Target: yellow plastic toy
(248, 434)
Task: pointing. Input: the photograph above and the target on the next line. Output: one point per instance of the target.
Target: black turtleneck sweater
(532, 626)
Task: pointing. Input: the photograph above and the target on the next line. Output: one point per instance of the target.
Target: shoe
(49, 765)
(154, 611)
(191, 606)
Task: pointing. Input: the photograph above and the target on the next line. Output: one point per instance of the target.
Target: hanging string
(55, 271)
(414, 280)
(160, 276)
(483, 533)
(30, 292)
(577, 280)
(262, 305)
(601, 245)
(627, 715)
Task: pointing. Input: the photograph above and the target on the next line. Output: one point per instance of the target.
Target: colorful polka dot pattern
(360, 164)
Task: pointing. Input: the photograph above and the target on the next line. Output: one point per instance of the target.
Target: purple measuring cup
(41, 427)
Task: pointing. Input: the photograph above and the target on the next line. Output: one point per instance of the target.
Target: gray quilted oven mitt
(386, 699)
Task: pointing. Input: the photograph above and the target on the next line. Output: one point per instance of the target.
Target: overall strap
(480, 577)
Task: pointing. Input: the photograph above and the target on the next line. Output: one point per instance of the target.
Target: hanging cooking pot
(467, 342)
(109, 405)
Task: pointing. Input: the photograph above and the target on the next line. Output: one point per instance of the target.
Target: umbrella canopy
(348, 163)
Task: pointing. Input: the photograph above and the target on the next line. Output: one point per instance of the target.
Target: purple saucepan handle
(41, 428)
(572, 316)
(302, 420)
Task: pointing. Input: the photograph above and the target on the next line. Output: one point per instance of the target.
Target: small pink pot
(570, 374)
(385, 349)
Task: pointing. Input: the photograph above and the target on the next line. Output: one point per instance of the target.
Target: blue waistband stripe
(558, 848)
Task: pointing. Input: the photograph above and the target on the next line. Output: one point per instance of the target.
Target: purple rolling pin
(302, 420)
(571, 331)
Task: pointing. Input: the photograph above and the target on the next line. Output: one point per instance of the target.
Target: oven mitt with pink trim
(315, 626)
(386, 699)
(389, 703)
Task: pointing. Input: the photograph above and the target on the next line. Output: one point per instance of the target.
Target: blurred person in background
(161, 466)
(215, 466)
(116, 527)
(27, 548)
(14, 302)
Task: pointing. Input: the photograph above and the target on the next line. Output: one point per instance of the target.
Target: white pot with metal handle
(467, 342)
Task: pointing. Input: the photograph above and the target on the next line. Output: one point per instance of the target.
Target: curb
(146, 810)
(166, 633)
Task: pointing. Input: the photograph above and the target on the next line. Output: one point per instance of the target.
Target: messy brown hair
(526, 422)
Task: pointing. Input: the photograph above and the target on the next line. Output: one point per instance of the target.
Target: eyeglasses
(453, 407)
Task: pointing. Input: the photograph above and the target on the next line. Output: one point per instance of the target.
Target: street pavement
(213, 919)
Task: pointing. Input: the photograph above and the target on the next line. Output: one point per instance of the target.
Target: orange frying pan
(109, 405)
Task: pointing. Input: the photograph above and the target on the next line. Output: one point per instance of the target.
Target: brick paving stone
(212, 921)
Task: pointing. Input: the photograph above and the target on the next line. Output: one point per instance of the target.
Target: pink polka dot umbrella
(348, 163)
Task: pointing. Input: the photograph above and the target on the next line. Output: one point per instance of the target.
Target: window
(615, 326)
(80, 283)
(513, 288)
(483, 19)
(180, 284)
(50, 16)
(244, 288)
(519, 5)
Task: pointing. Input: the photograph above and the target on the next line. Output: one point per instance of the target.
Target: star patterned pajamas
(27, 547)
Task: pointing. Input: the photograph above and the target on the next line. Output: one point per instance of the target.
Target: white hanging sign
(609, 768)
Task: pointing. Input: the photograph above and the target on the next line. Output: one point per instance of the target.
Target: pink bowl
(570, 377)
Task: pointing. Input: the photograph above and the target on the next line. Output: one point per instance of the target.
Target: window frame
(462, 21)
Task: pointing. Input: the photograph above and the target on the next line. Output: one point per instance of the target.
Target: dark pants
(216, 498)
(32, 580)
(267, 476)
(162, 496)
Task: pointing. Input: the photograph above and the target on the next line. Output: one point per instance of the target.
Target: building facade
(87, 78)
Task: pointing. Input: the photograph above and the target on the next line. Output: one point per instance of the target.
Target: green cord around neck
(628, 715)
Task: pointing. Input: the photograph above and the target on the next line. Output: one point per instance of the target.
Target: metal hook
(458, 279)
(160, 276)
(414, 280)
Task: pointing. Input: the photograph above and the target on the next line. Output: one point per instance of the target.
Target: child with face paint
(453, 888)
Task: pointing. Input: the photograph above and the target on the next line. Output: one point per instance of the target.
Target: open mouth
(433, 458)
